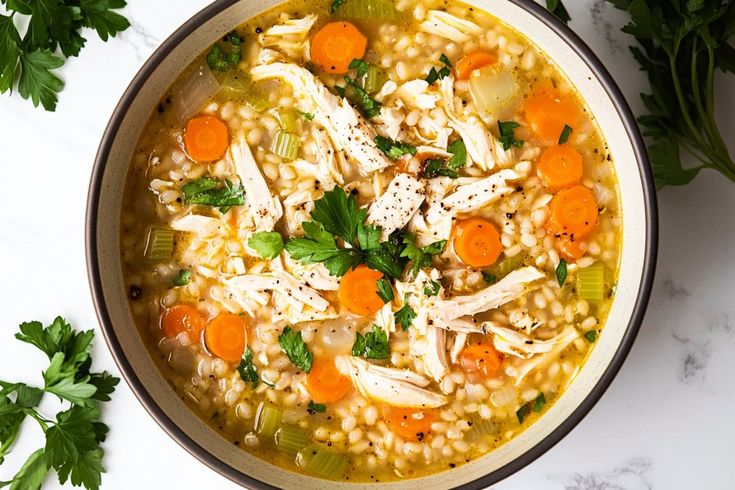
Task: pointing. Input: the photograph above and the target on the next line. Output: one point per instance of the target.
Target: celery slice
(291, 440)
(267, 420)
(591, 283)
(481, 428)
(289, 120)
(239, 86)
(368, 9)
(318, 460)
(374, 80)
(504, 267)
(286, 145)
(160, 244)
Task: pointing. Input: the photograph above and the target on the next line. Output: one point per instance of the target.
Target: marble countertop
(662, 424)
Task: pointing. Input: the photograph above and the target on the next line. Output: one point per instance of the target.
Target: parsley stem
(41, 421)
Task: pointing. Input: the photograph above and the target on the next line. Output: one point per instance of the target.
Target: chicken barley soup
(371, 240)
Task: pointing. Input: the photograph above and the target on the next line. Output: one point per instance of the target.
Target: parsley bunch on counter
(27, 61)
(73, 438)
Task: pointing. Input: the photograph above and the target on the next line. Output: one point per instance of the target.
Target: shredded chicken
(460, 339)
(448, 26)
(395, 387)
(511, 287)
(523, 321)
(395, 208)
(347, 129)
(431, 349)
(516, 344)
(265, 208)
(560, 342)
(388, 122)
(289, 36)
(193, 223)
(415, 95)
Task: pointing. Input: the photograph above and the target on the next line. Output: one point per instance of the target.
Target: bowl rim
(201, 453)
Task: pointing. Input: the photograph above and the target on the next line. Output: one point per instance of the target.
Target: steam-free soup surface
(373, 240)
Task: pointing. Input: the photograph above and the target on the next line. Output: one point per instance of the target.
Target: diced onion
(194, 92)
(492, 88)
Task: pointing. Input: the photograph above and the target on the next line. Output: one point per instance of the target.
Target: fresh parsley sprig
(372, 345)
(296, 349)
(212, 192)
(434, 167)
(54, 26)
(557, 8)
(508, 138)
(73, 438)
(444, 71)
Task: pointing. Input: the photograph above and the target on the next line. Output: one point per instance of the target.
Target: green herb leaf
(557, 8)
(36, 81)
(508, 135)
(394, 149)
(358, 96)
(306, 115)
(247, 370)
(339, 215)
(385, 290)
(444, 71)
(318, 245)
(523, 412)
(489, 277)
(539, 403)
(386, 259)
(33, 472)
(368, 236)
(565, 134)
(335, 5)
(316, 407)
(224, 56)
(405, 316)
(99, 15)
(268, 244)
(212, 192)
(434, 167)
(420, 257)
(361, 67)
(561, 272)
(459, 155)
(591, 336)
(432, 289)
(295, 348)
(373, 345)
(182, 278)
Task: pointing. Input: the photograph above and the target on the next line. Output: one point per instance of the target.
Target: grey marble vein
(140, 39)
(673, 290)
(600, 12)
(694, 356)
(633, 474)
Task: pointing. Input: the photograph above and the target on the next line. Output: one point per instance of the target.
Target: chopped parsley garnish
(434, 167)
(247, 370)
(182, 278)
(565, 134)
(561, 272)
(385, 290)
(432, 289)
(357, 95)
(523, 412)
(335, 5)
(406, 315)
(215, 193)
(268, 244)
(489, 277)
(313, 408)
(222, 60)
(444, 71)
(74, 436)
(591, 336)
(361, 66)
(373, 345)
(306, 115)
(420, 257)
(508, 135)
(539, 403)
(394, 149)
(295, 348)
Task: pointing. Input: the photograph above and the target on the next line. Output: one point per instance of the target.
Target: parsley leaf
(33, 472)
(182, 278)
(557, 8)
(420, 257)
(386, 259)
(318, 245)
(444, 71)
(357, 95)
(247, 370)
(268, 244)
(295, 348)
(385, 290)
(220, 59)
(405, 315)
(489, 278)
(434, 167)
(459, 155)
(98, 15)
(508, 136)
(368, 236)
(523, 412)
(361, 66)
(561, 272)
(335, 5)
(339, 215)
(316, 407)
(210, 192)
(36, 81)
(432, 289)
(394, 149)
(373, 345)
(539, 403)
(565, 134)
(306, 115)
(591, 336)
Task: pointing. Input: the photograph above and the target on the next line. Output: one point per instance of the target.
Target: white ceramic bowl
(636, 272)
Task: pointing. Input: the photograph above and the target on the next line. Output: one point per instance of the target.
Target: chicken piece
(194, 223)
(560, 342)
(448, 26)
(523, 321)
(265, 208)
(511, 287)
(347, 129)
(388, 122)
(482, 147)
(460, 339)
(329, 172)
(516, 344)
(315, 275)
(395, 208)
(289, 37)
(415, 95)
(395, 387)
(431, 349)
(386, 319)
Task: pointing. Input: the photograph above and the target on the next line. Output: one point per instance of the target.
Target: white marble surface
(664, 423)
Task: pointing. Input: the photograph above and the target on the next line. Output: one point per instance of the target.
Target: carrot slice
(182, 318)
(571, 249)
(573, 213)
(480, 359)
(412, 424)
(548, 111)
(560, 166)
(206, 138)
(226, 337)
(477, 242)
(336, 45)
(473, 61)
(325, 383)
(358, 291)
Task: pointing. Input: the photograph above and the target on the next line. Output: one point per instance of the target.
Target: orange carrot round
(573, 213)
(571, 249)
(226, 337)
(473, 61)
(477, 242)
(358, 291)
(560, 166)
(548, 111)
(206, 138)
(325, 383)
(480, 359)
(412, 424)
(336, 45)
(182, 318)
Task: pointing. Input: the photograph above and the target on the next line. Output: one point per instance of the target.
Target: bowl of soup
(350, 244)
